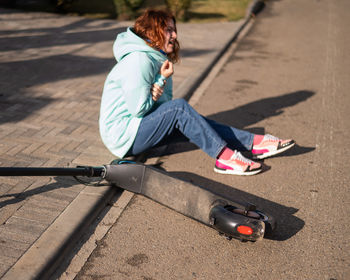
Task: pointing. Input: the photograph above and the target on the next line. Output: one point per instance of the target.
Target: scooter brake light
(234, 225)
(245, 230)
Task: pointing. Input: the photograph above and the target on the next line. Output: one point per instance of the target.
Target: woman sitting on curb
(138, 113)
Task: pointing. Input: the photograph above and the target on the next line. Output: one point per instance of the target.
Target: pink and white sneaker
(237, 165)
(270, 146)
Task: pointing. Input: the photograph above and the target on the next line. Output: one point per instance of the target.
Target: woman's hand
(156, 92)
(167, 69)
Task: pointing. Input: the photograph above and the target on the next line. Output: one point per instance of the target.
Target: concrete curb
(44, 257)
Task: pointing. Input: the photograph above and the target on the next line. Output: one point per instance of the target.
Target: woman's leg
(170, 117)
(236, 139)
(261, 146)
(178, 115)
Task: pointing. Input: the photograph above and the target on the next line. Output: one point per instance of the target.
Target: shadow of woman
(254, 112)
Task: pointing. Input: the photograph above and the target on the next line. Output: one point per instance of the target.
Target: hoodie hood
(128, 42)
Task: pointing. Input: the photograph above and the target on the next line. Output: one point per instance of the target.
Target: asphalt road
(289, 77)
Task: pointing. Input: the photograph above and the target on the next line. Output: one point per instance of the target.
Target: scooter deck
(194, 201)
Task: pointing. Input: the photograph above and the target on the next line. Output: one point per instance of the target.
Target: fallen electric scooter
(230, 218)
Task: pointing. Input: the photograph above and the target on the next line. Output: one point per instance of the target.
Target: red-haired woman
(138, 113)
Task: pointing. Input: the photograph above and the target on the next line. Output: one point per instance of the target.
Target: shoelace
(240, 157)
(271, 137)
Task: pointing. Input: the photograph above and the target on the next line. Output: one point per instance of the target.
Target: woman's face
(170, 36)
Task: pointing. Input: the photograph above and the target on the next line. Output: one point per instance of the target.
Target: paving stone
(9, 251)
(16, 235)
(30, 211)
(34, 146)
(22, 225)
(8, 208)
(6, 260)
(49, 203)
(4, 188)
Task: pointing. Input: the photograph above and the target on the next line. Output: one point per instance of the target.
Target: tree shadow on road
(45, 65)
(17, 101)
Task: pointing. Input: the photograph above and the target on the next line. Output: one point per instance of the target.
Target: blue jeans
(176, 120)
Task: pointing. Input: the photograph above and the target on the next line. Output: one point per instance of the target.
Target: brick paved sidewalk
(52, 72)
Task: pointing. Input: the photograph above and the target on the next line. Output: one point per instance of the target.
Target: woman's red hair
(151, 25)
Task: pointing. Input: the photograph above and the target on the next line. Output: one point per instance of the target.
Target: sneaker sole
(273, 153)
(236, 172)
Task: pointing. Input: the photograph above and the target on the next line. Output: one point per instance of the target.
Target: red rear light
(245, 230)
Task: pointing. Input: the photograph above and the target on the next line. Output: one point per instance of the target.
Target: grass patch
(218, 10)
(210, 10)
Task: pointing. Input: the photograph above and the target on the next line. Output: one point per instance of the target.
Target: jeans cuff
(220, 149)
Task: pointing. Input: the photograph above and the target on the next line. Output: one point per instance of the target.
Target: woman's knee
(182, 104)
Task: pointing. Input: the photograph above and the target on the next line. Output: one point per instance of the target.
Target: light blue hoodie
(127, 91)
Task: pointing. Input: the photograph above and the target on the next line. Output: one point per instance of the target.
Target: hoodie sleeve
(139, 75)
